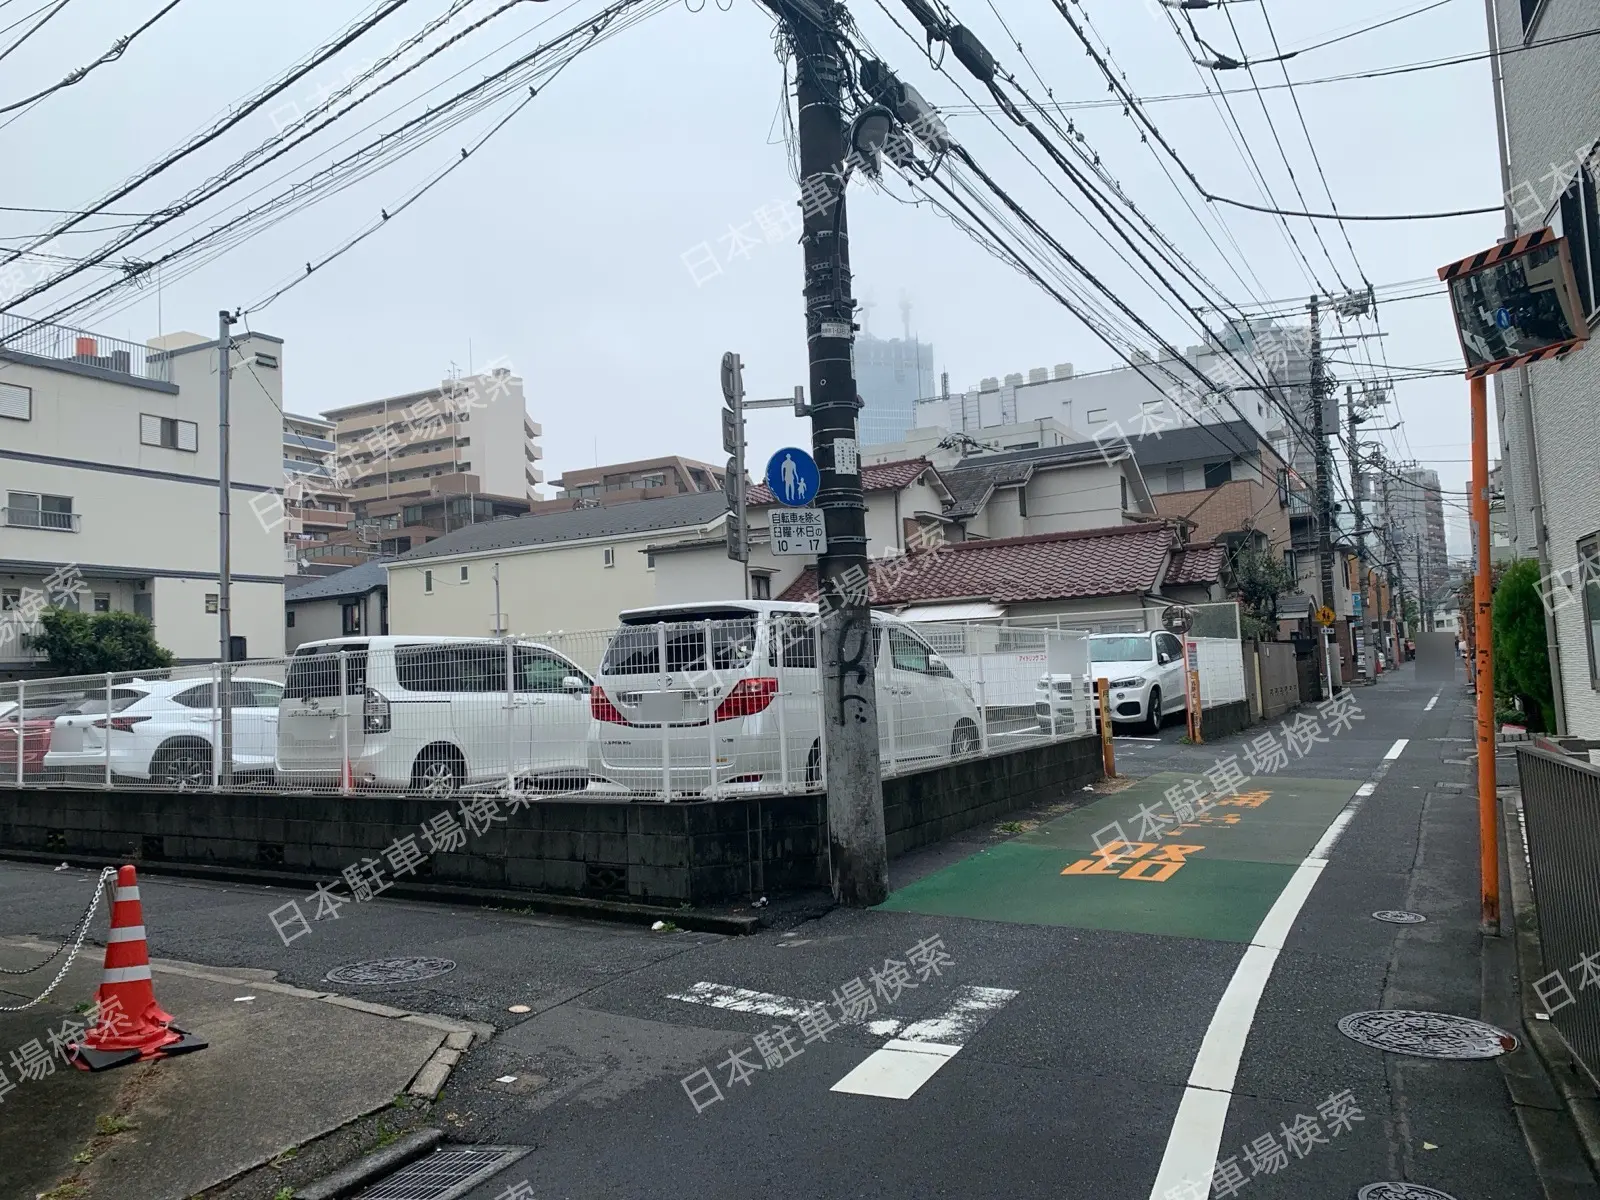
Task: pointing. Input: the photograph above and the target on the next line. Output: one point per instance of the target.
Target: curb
(624, 911)
(363, 1171)
(1579, 1100)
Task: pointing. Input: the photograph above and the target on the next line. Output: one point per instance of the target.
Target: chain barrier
(76, 940)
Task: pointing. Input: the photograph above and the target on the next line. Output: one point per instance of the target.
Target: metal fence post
(666, 725)
(893, 713)
(510, 722)
(983, 703)
(108, 729)
(22, 712)
(711, 720)
(344, 723)
(216, 727)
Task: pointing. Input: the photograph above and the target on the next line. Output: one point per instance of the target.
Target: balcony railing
(304, 441)
(33, 518)
(66, 344)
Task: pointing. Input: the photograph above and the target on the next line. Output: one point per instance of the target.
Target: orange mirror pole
(1488, 826)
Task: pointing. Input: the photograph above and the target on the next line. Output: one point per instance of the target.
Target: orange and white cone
(130, 1026)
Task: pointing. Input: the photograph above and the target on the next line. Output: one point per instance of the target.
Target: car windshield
(1135, 648)
(636, 648)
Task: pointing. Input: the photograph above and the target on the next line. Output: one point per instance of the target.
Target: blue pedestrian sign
(1502, 318)
(793, 477)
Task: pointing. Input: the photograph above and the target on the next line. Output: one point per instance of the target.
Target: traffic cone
(130, 1025)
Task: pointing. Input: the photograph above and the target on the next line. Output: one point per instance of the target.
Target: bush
(78, 643)
(1521, 654)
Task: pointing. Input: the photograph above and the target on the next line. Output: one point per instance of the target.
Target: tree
(1521, 654)
(1258, 579)
(78, 643)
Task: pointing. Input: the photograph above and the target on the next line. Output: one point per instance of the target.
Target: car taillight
(601, 708)
(375, 713)
(749, 696)
(125, 724)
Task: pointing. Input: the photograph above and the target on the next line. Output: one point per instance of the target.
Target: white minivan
(433, 715)
(664, 708)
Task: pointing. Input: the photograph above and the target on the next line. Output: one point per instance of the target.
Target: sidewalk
(285, 1066)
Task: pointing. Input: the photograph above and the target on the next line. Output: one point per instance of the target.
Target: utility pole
(1362, 654)
(224, 556)
(1319, 431)
(858, 855)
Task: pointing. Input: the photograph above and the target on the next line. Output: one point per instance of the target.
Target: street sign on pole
(798, 531)
(793, 477)
(733, 443)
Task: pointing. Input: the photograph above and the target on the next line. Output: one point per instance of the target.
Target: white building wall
(1553, 110)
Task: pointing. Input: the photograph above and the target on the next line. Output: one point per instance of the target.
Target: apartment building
(315, 508)
(471, 434)
(623, 483)
(108, 471)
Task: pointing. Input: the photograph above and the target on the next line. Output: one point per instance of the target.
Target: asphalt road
(1049, 1053)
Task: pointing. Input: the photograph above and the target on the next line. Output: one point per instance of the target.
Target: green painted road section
(1212, 874)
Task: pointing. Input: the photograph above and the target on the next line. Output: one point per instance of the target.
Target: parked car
(38, 720)
(433, 715)
(1145, 671)
(165, 732)
(657, 722)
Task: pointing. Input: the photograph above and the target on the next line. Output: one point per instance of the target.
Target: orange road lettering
(1134, 860)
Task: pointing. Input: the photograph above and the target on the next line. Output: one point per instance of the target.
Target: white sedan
(166, 732)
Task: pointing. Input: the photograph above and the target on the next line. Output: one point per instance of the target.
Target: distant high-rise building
(891, 375)
(1416, 521)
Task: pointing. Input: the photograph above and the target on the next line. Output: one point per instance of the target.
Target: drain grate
(445, 1174)
(1448, 786)
(1397, 916)
(381, 971)
(1401, 1191)
(1426, 1034)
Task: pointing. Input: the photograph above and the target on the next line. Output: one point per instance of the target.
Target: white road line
(770, 1004)
(903, 1065)
(1429, 705)
(1191, 1154)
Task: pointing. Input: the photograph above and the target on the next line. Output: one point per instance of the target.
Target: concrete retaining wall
(701, 852)
(1223, 719)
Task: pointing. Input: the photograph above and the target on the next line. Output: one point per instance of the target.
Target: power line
(111, 55)
(42, 23)
(1280, 56)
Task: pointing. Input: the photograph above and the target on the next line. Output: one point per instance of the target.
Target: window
(1530, 10)
(266, 360)
(253, 693)
(649, 560)
(350, 619)
(314, 672)
(463, 441)
(1218, 473)
(541, 671)
(288, 619)
(426, 668)
(1578, 220)
(1174, 479)
(906, 652)
(609, 556)
(411, 514)
(1124, 482)
(16, 402)
(466, 466)
(10, 599)
(1169, 645)
(795, 638)
(1097, 416)
(34, 510)
(211, 602)
(427, 583)
(1291, 564)
(1589, 578)
(761, 587)
(1022, 502)
(195, 697)
(463, 574)
(102, 602)
(169, 433)
(480, 668)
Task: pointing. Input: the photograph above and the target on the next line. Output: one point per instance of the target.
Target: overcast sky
(559, 248)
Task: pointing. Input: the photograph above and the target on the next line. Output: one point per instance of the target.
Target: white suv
(754, 704)
(1145, 671)
(166, 731)
(433, 715)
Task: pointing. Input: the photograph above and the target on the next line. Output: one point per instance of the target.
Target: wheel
(438, 771)
(814, 764)
(182, 766)
(1153, 720)
(964, 740)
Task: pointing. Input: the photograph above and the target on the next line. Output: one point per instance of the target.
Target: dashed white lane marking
(770, 1004)
(1429, 705)
(1191, 1154)
(898, 1070)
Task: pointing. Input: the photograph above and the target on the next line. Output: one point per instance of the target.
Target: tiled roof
(1196, 564)
(877, 477)
(971, 486)
(1053, 566)
(352, 581)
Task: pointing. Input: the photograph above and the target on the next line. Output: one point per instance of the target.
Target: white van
(433, 715)
(663, 711)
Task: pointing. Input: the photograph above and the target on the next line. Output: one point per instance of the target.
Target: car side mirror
(1163, 658)
(574, 684)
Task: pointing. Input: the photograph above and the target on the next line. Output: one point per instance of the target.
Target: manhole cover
(444, 1174)
(1426, 1034)
(1396, 916)
(381, 971)
(1401, 1191)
